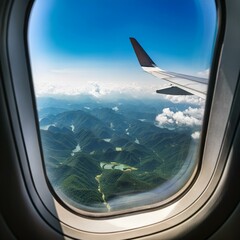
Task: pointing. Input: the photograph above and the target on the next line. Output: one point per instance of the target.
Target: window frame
(169, 221)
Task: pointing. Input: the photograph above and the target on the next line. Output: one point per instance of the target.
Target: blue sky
(92, 36)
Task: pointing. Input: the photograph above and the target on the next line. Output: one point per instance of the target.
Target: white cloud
(195, 112)
(163, 120)
(191, 117)
(115, 109)
(168, 112)
(183, 119)
(95, 90)
(67, 84)
(196, 135)
(185, 99)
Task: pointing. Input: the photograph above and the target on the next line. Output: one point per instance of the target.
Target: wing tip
(143, 57)
(173, 90)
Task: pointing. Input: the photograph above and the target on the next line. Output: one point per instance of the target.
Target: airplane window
(120, 89)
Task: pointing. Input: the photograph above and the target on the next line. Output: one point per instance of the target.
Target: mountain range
(97, 154)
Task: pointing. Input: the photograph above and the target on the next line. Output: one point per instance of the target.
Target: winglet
(143, 58)
(173, 90)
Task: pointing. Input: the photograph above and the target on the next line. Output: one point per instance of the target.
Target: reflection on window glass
(115, 137)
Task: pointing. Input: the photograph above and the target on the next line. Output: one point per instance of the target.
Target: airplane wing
(180, 84)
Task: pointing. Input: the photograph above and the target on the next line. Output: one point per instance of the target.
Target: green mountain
(96, 155)
(76, 179)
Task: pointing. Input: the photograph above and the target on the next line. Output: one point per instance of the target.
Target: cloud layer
(185, 99)
(190, 118)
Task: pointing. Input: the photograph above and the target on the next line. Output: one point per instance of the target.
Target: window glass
(115, 137)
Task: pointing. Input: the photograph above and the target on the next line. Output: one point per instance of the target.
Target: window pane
(114, 137)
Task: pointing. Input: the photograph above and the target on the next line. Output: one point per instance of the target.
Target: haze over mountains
(98, 152)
